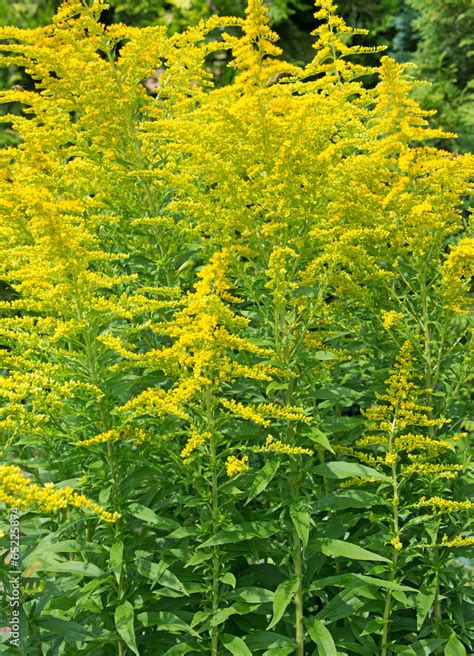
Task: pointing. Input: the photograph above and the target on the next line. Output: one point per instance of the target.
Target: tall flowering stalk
(402, 441)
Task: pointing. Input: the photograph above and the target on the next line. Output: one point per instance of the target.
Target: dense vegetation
(437, 36)
(234, 343)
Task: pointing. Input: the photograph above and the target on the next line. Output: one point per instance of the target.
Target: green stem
(215, 510)
(437, 610)
(215, 560)
(91, 361)
(396, 533)
(388, 610)
(298, 547)
(298, 572)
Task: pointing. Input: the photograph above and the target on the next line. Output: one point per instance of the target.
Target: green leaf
(198, 558)
(77, 568)
(72, 631)
(245, 531)
(267, 640)
(124, 622)
(223, 614)
(263, 478)
(348, 499)
(454, 647)
(301, 521)
(344, 604)
(340, 548)
(165, 621)
(235, 645)
(324, 355)
(279, 651)
(179, 650)
(318, 437)
(352, 580)
(282, 597)
(116, 559)
(349, 470)
(424, 602)
(340, 395)
(148, 516)
(422, 647)
(254, 595)
(159, 573)
(274, 385)
(229, 579)
(320, 635)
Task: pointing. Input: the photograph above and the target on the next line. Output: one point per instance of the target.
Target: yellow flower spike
(438, 505)
(194, 442)
(456, 274)
(236, 466)
(457, 541)
(17, 490)
(396, 544)
(390, 317)
(244, 411)
(259, 412)
(278, 446)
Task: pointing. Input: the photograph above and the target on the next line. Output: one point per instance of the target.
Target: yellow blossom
(457, 541)
(396, 543)
(390, 317)
(440, 505)
(236, 466)
(280, 447)
(193, 442)
(18, 490)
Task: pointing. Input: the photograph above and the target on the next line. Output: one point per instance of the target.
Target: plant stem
(104, 417)
(437, 610)
(297, 545)
(298, 572)
(215, 560)
(388, 610)
(215, 511)
(396, 533)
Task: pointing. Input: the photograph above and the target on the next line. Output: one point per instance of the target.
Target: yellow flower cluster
(193, 442)
(277, 274)
(17, 490)
(356, 481)
(288, 412)
(258, 412)
(160, 402)
(411, 442)
(245, 411)
(396, 543)
(390, 317)
(458, 541)
(441, 471)
(280, 447)
(137, 434)
(440, 505)
(236, 465)
(456, 274)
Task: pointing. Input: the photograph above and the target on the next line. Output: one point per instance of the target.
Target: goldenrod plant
(235, 319)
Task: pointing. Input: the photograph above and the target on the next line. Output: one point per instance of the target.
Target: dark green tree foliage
(445, 56)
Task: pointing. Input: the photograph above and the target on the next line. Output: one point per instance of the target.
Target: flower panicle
(18, 490)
